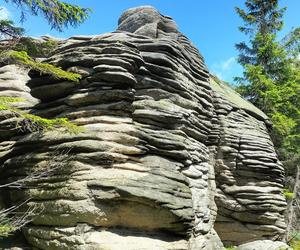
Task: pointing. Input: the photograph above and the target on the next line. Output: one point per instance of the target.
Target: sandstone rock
(263, 245)
(170, 158)
(13, 79)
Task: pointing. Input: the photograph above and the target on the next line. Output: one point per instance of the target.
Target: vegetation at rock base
(17, 216)
(288, 194)
(6, 228)
(271, 80)
(294, 240)
(11, 220)
(296, 245)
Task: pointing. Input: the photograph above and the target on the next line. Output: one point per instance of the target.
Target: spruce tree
(16, 48)
(59, 15)
(271, 78)
(262, 21)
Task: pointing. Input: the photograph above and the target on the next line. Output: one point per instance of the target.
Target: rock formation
(170, 157)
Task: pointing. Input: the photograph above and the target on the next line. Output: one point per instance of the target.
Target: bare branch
(13, 218)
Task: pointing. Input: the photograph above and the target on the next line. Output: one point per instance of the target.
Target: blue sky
(212, 25)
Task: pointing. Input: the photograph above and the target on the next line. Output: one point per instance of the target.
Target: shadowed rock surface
(170, 157)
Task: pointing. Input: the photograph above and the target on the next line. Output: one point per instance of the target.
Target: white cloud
(226, 69)
(4, 13)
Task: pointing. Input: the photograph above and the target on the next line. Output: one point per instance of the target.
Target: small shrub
(5, 229)
(288, 194)
(294, 240)
(295, 245)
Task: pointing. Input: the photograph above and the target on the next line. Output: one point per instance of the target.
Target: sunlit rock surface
(170, 157)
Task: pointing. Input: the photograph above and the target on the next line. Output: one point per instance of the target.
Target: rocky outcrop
(248, 173)
(170, 157)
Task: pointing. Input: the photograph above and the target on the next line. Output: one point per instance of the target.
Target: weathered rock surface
(263, 245)
(248, 175)
(13, 80)
(169, 158)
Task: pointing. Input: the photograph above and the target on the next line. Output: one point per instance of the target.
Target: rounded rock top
(146, 20)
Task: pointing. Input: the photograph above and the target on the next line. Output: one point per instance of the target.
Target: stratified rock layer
(168, 154)
(247, 171)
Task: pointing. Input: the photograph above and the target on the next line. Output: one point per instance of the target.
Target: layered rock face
(169, 158)
(248, 176)
(13, 80)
